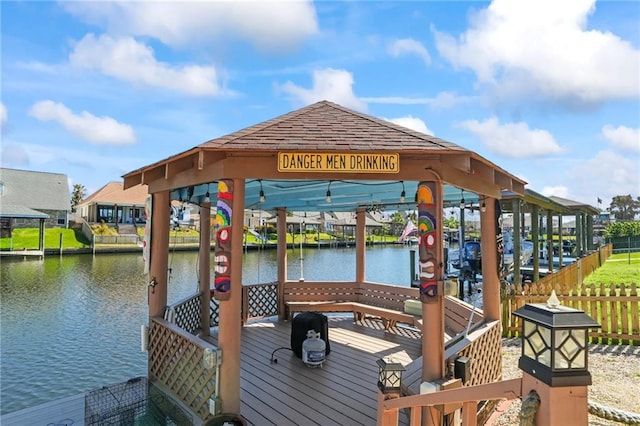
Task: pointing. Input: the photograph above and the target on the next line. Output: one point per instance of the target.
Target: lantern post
(554, 360)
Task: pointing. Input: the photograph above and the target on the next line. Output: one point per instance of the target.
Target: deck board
(342, 392)
(287, 392)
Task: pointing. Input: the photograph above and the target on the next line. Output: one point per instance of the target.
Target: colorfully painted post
(431, 277)
(224, 218)
(430, 244)
(230, 306)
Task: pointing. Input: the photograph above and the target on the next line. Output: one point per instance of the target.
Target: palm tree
(77, 195)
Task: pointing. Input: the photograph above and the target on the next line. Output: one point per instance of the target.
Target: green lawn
(619, 268)
(27, 238)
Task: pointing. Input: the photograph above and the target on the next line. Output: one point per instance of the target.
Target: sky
(548, 90)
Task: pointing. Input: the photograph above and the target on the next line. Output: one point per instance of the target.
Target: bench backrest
(386, 296)
(457, 314)
(320, 291)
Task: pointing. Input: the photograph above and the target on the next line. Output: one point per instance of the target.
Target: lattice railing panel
(214, 311)
(261, 300)
(176, 361)
(486, 355)
(185, 314)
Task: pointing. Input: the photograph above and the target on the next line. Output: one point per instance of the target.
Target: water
(72, 324)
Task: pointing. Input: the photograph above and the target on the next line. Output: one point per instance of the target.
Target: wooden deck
(342, 392)
(287, 392)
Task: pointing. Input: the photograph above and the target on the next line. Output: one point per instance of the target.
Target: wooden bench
(379, 300)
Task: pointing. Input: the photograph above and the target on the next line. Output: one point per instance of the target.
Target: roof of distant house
(34, 190)
(113, 193)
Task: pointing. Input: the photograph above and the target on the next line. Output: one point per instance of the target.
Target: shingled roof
(114, 193)
(35, 190)
(325, 128)
(326, 125)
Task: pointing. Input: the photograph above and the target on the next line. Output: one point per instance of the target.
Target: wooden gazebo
(323, 157)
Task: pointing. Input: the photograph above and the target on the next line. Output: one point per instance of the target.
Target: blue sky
(548, 90)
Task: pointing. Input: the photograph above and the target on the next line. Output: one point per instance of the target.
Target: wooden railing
(466, 398)
(186, 313)
(482, 343)
(616, 308)
(183, 364)
(482, 346)
(577, 271)
(259, 301)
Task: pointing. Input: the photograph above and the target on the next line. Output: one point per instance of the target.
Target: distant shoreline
(122, 248)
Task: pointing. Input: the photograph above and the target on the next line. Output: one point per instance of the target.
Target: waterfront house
(31, 199)
(114, 204)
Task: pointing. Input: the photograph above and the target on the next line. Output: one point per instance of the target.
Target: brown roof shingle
(325, 125)
(113, 193)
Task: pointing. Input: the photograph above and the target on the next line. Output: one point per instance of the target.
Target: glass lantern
(389, 375)
(555, 344)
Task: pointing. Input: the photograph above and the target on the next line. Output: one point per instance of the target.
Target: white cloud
(126, 59)
(409, 46)
(268, 25)
(542, 48)
(328, 84)
(13, 155)
(412, 123)
(92, 169)
(96, 130)
(622, 137)
(443, 100)
(605, 176)
(512, 139)
(3, 115)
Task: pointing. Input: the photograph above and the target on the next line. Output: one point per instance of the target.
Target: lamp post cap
(556, 317)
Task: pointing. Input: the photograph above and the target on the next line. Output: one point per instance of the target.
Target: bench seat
(367, 299)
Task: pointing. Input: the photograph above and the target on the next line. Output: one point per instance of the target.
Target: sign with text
(338, 162)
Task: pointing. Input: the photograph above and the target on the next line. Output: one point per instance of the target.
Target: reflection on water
(72, 324)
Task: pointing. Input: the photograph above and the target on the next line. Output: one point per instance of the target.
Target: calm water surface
(72, 324)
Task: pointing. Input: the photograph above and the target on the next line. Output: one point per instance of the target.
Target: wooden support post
(159, 260)
(535, 236)
(230, 310)
(517, 236)
(469, 413)
(361, 244)
(550, 240)
(579, 247)
(558, 405)
(490, 278)
(433, 363)
(204, 267)
(589, 233)
(386, 417)
(282, 259)
(560, 242)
